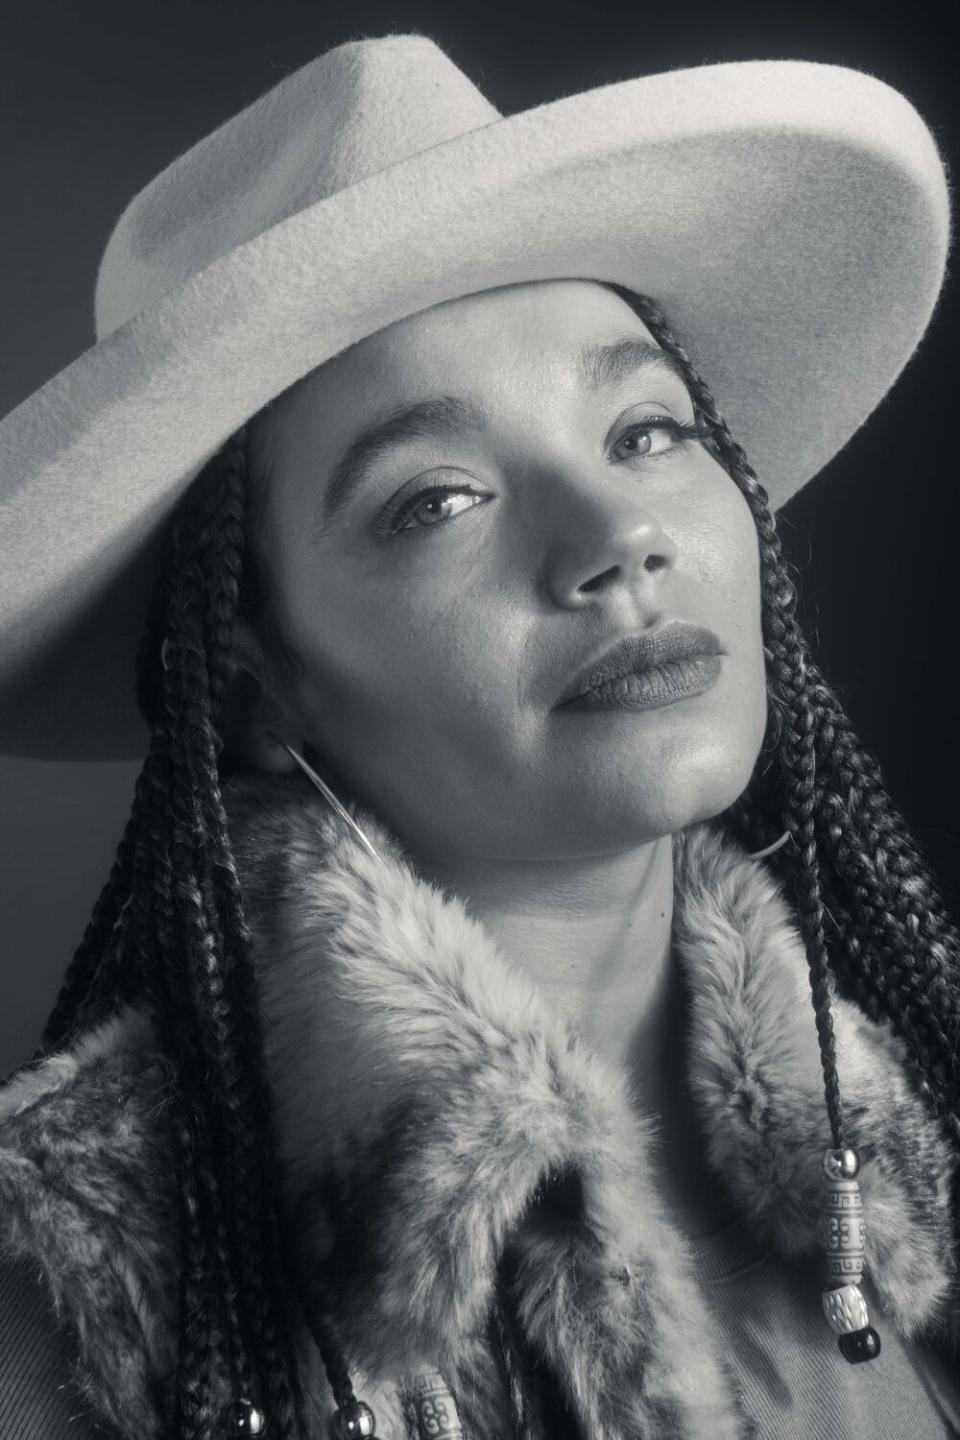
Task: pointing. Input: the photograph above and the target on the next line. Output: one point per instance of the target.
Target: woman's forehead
(472, 344)
(540, 312)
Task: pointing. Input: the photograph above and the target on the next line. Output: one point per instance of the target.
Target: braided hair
(169, 928)
(853, 865)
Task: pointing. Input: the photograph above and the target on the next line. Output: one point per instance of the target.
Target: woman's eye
(654, 437)
(432, 507)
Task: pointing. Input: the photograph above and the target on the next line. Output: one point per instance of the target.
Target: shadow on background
(95, 99)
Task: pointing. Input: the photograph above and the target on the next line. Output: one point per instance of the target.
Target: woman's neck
(595, 939)
(593, 936)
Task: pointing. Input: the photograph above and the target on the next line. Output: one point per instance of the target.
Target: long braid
(896, 908)
(84, 988)
(236, 1026)
(174, 898)
(153, 926)
(226, 991)
(893, 945)
(797, 717)
(98, 935)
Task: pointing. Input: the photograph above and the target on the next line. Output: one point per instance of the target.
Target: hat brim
(791, 218)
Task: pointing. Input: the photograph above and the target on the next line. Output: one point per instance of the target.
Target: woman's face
(445, 579)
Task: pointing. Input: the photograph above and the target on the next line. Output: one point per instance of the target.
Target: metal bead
(841, 1164)
(861, 1345)
(845, 1309)
(243, 1418)
(354, 1421)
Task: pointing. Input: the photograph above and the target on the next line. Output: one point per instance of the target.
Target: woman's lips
(652, 687)
(649, 650)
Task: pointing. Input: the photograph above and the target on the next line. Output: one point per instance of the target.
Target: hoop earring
(345, 815)
(777, 844)
(759, 854)
(327, 793)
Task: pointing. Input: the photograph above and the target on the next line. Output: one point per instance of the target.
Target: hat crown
(352, 112)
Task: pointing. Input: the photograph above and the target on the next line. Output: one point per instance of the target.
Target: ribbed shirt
(794, 1381)
(37, 1400)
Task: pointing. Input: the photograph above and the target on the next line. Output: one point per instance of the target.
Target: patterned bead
(844, 1236)
(841, 1164)
(845, 1309)
(436, 1409)
(844, 1231)
(353, 1421)
(861, 1345)
(243, 1418)
(843, 1269)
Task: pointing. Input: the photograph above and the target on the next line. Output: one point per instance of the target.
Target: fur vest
(425, 1093)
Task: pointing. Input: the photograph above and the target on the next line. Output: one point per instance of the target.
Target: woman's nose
(600, 540)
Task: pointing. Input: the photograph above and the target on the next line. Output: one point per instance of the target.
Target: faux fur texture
(426, 1097)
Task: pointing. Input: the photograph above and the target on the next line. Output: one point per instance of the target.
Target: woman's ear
(250, 710)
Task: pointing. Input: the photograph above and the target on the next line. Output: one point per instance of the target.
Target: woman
(489, 1102)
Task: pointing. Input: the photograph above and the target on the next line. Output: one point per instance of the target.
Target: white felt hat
(791, 218)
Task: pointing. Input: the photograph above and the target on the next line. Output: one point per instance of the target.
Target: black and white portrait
(478, 724)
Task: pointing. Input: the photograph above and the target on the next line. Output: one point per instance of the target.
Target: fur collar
(425, 1092)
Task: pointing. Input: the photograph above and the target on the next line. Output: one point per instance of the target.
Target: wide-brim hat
(791, 218)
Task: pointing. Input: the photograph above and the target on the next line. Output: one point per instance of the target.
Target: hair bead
(842, 1164)
(435, 1409)
(844, 1232)
(243, 1418)
(353, 1421)
(861, 1345)
(845, 1309)
(844, 1228)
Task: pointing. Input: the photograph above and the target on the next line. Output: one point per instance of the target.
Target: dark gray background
(96, 97)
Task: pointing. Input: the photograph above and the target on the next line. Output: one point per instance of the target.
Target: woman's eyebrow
(602, 365)
(437, 417)
(445, 415)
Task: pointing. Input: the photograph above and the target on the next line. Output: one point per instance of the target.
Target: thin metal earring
(761, 854)
(326, 792)
(345, 815)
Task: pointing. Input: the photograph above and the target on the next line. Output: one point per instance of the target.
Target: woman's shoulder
(83, 1128)
(89, 1231)
(39, 1396)
(106, 1080)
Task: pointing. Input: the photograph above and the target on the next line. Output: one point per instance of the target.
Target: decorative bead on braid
(243, 1418)
(796, 730)
(843, 1236)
